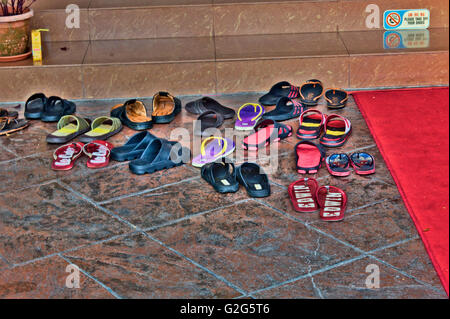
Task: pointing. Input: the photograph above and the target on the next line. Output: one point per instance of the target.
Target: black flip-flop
(286, 109)
(8, 126)
(209, 119)
(310, 92)
(336, 98)
(208, 104)
(159, 154)
(281, 89)
(56, 107)
(35, 106)
(219, 176)
(253, 178)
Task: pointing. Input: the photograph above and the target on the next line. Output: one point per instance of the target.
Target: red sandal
(65, 156)
(266, 132)
(303, 195)
(333, 203)
(99, 153)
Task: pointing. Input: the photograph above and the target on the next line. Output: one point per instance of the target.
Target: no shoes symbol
(393, 19)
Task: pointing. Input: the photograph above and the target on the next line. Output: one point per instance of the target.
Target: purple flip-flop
(248, 116)
(212, 149)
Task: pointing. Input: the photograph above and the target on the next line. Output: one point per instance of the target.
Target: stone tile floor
(169, 235)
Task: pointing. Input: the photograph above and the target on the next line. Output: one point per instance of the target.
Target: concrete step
(229, 64)
(148, 19)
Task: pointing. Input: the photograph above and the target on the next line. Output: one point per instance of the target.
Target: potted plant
(15, 18)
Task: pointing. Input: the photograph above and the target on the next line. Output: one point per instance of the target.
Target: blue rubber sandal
(159, 155)
(134, 148)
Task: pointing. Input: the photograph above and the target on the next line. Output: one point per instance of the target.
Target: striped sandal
(266, 132)
(311, 124)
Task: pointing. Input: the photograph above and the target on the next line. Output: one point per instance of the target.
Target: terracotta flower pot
(15, 34)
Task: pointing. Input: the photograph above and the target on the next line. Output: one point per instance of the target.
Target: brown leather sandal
(165, 107)
(133, 114)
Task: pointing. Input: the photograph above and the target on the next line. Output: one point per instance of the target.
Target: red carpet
(410, 127)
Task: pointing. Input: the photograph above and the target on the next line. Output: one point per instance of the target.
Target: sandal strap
(116, 123)
(82, 124)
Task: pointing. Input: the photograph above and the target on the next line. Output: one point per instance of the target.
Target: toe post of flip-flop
(337, 131)
(99, 153)
(64, 157)
(221, 176)
(336, 98)
(303, 195)
(311, 123)
(248, 116)
(68, 127)
(266, 132)
(338, 165)
(253, 178)
(212, 149)
(309, 157)
(332, 202)
(362, 163)
(281, 89)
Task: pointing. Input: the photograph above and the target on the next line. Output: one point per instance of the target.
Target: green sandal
(102, 128)
(69, 127)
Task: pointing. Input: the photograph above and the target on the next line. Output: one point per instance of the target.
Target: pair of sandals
(212, 149)
(307, 197)
(99, 152)
(51, 109)
(71, 126)
(308, 94)
(133, 113)
(341, 164)
(225, 178)
(148, 153)
(337, 128)
(9, 122)
(211, 113)
(312, 90)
